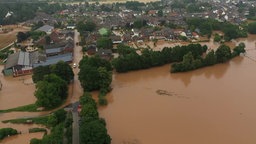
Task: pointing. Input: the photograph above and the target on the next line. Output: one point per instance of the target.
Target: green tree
(21, 36)
(93, 78)
(217, 38)
(5, 132)
(95, 61)
(252, 12)
(52, 120)
(47, 40)
(210, 59)
(40, 72)
(139, 23)
(134, 5)
(94, 132)
(63, 70)
(160, 13)
(51, 91)
(87, 26)
(124, 49)
(105, 43)
(93, 129)
(223, 53)
(252, 28)
(239, 49)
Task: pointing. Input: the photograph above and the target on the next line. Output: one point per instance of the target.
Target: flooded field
(16, 92)
(25, 136)
(213, 105)
(22, 138)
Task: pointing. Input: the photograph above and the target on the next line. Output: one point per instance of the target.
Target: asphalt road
(77, 90)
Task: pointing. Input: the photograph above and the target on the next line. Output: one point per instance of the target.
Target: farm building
(18, 64)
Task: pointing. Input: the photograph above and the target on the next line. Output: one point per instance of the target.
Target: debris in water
(131, 141)
(164, 92)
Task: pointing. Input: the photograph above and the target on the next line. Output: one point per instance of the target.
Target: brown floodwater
(22, 138)
(25, 136)
(17, 91)
(212, 105)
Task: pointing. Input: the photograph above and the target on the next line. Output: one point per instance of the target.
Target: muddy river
(213, 105)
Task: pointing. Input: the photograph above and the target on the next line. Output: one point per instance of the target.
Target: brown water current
(213, 105)
(17, 91)
(22, 138)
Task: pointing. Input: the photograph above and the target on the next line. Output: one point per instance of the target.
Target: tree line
(92, 128)
(206, 26)
(5, 132)
(96, 74)
(25, 11)
(56, 121)
(222, 54)
(129, 59)
(52, 84)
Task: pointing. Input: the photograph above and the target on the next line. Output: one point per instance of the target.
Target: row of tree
(222, 54)
(5, 132)
(21, 12)
(206, 26)
(92, 128)
(57, 121)
(96, 74)
(35, 35)
(52, 84)
(129, 59)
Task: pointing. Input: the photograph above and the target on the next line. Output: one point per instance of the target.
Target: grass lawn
(27, 108)
(37, 120)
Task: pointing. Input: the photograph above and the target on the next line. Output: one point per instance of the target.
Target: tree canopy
(95, 73)
(252, 28)
(87, 26)
(61, 69)
(130, 60)
(51, 91)
(22, 11)
(105, 43)
(223, 53)
(93, 129)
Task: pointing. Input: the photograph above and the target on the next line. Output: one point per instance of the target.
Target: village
(82, 30)
(135, 24)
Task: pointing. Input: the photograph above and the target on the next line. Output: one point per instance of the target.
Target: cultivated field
(112, 1)
(8, 38)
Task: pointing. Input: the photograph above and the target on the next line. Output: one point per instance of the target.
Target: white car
(74, 65)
